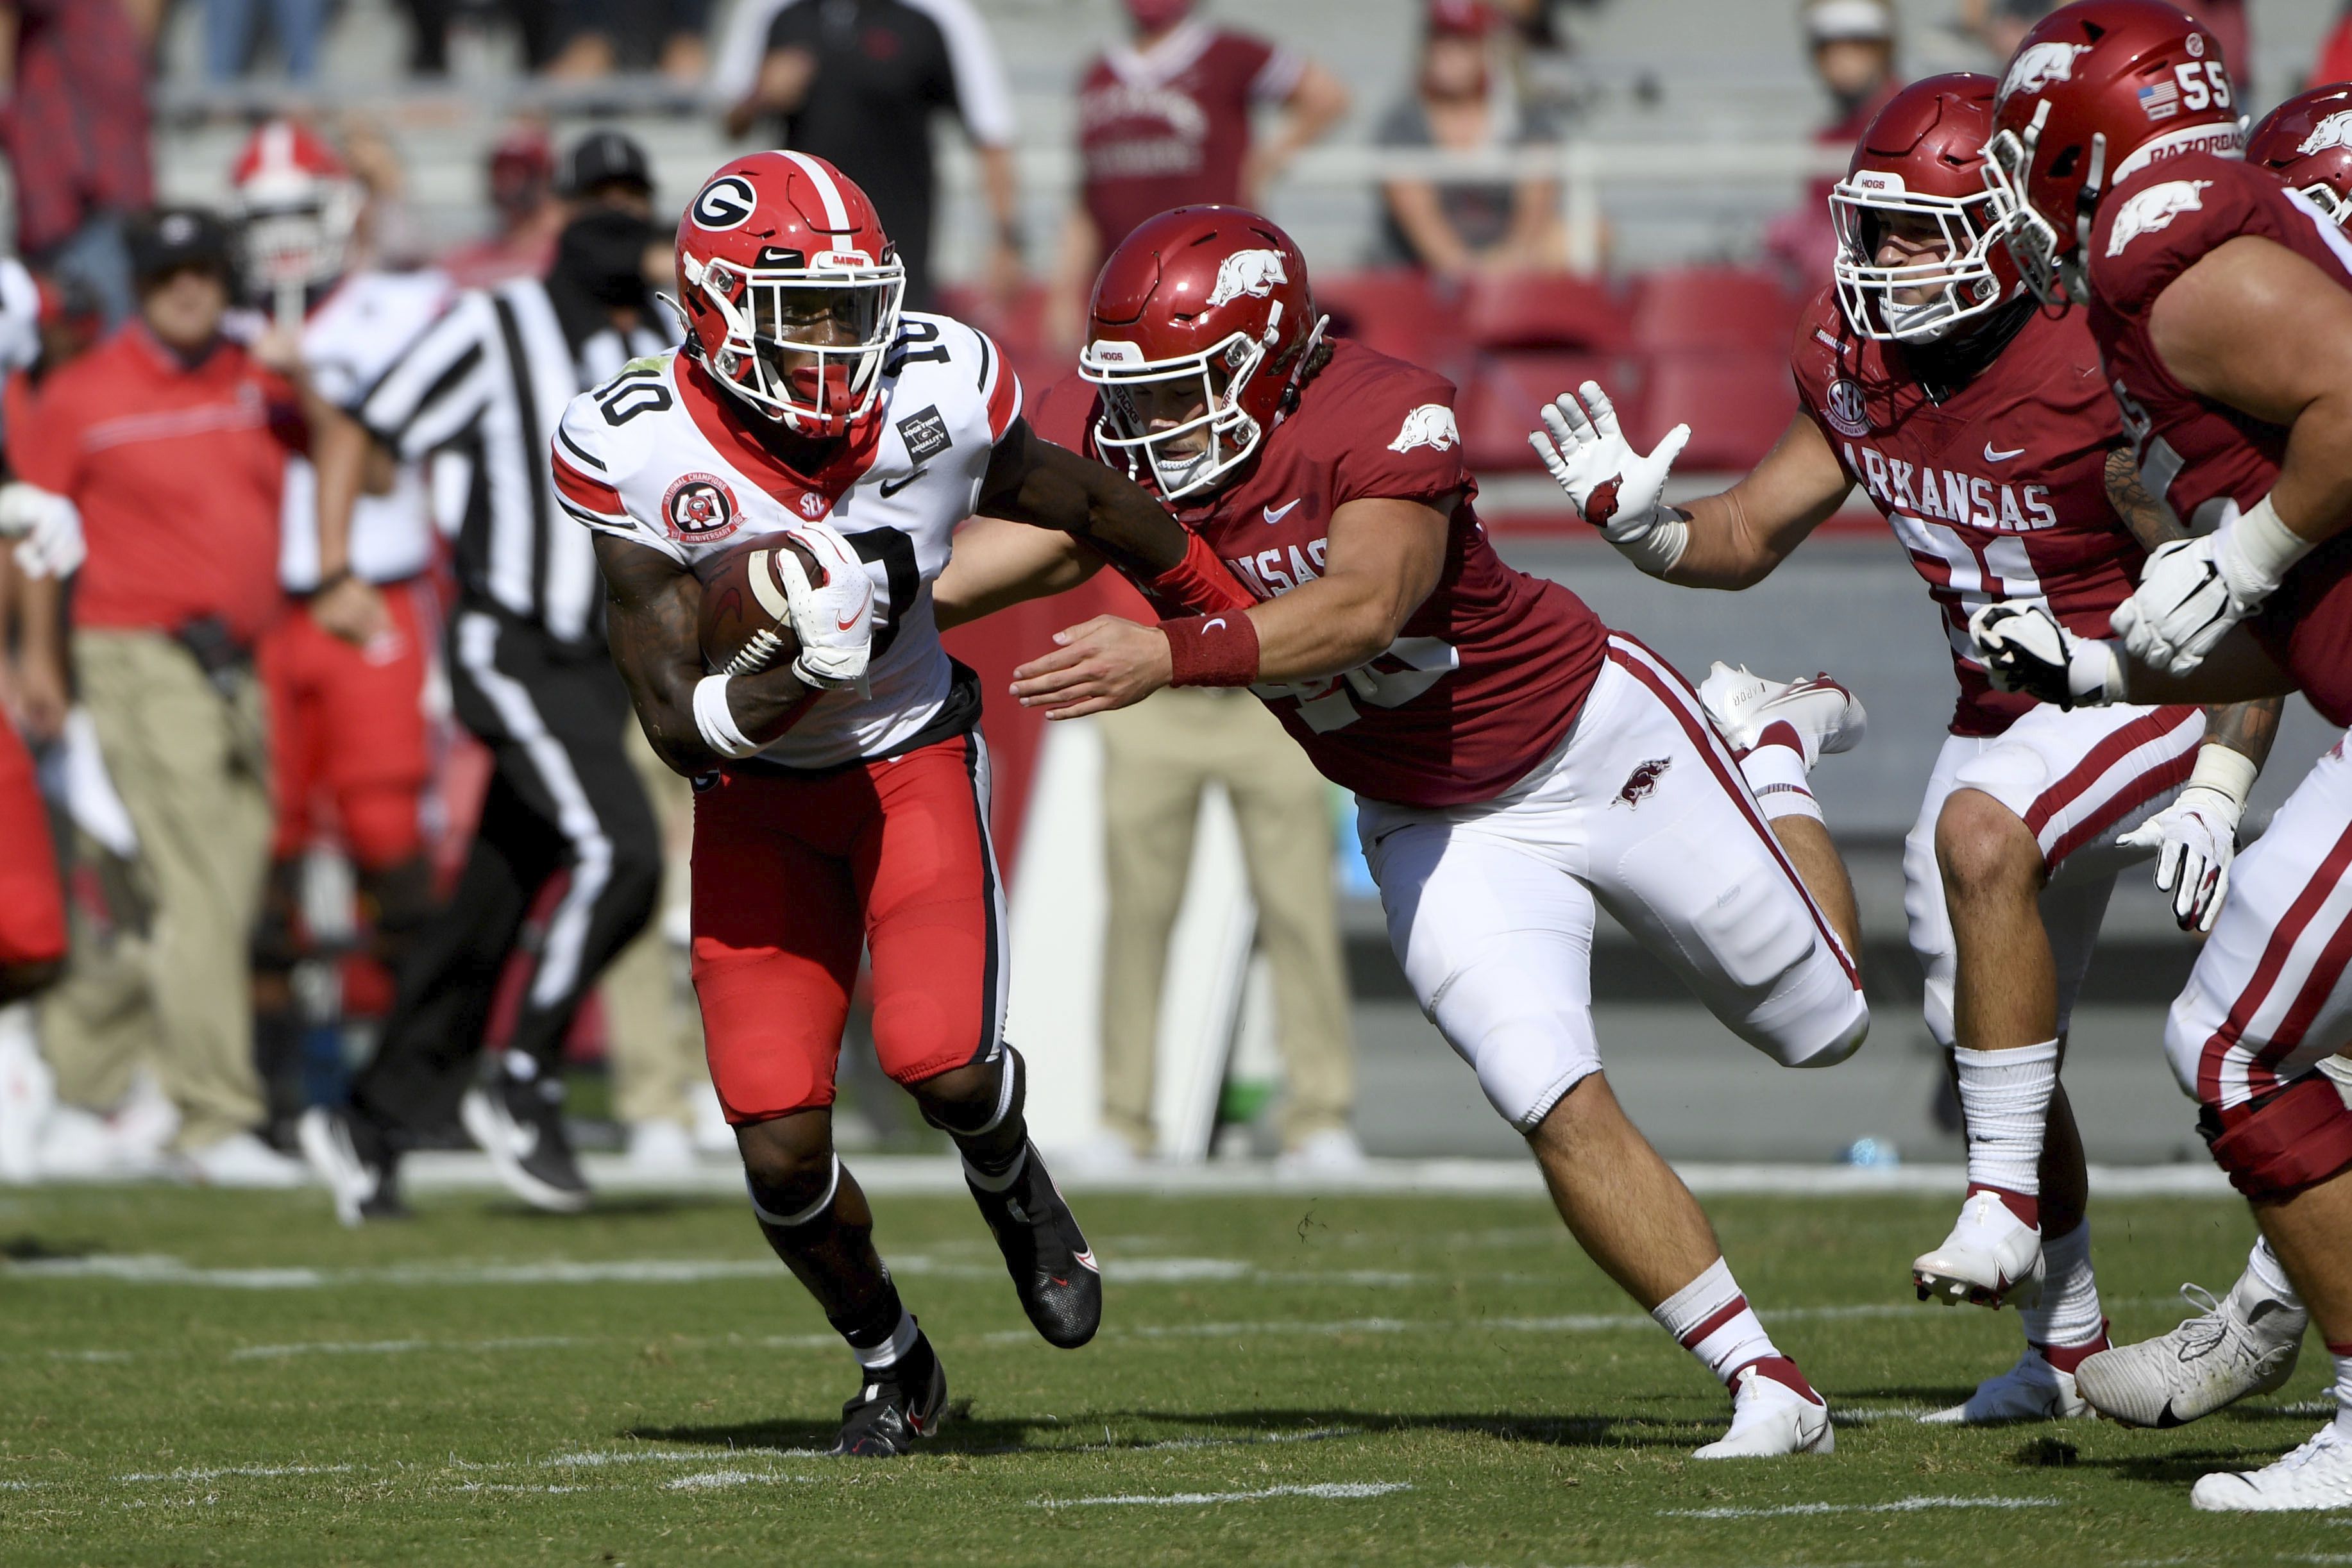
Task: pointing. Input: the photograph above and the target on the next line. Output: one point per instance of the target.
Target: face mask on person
(603, 253)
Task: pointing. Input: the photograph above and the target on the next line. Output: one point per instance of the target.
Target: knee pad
(976, 1118)
(2286, 1143)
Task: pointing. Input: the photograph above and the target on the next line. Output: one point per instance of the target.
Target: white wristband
(717, 722)
(2257, 551)
(2095, 671)
(2225, 771)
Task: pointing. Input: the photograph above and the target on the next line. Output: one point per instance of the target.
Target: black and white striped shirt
(491, 378)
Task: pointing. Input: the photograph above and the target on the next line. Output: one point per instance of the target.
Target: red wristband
(1212, 650)
(1200, 582)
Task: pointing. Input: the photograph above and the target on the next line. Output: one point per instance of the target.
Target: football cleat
(521, 1128)
(1827, 717)
(2032, 1390)
(1045, 1251)
(2246, 1343)
(904, 1401)
(1770, 1418)
(351, 1156)
(2317, 1475)
(1991, 1258)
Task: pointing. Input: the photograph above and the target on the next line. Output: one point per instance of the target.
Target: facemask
(603, 252)
(1158, 16)
(1906, 321)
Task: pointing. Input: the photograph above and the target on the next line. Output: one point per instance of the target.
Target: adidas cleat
(1045, 1251)
(903, 1402)
(1743, 704)
(1991, 1258)
(2032, 1390)
(2246, 1343)
(522, 1129)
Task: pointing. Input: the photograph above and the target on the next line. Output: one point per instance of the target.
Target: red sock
(2026, 1205)
(1780, 1370)
(2067, 1357)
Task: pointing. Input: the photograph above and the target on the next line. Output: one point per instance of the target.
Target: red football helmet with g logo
(2098, 91)
(2307, 142)
(791, 291)
(1921, 162)
(1213, 300)
(299, 207)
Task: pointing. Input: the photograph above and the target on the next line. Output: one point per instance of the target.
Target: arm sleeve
(1410, 448)
(435, 391)
(584, 485)
(982, 96)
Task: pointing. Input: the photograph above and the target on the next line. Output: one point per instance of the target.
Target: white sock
(902, 1340)
(1777, 775)
(2343, 1354)
(2267, 1274)
(2067, 1317)
(2005, 1098)
(1712, 1320)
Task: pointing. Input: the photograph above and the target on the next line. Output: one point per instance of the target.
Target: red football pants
(794, 875)
(348, 724)
(32, 905)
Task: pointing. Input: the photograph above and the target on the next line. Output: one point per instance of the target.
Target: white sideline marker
(1341, 1489)
(1900, 1505)
(711, 1480)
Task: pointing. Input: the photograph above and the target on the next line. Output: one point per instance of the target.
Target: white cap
(1828, 21)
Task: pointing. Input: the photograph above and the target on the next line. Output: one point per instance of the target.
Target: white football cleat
(2317, 1475)
(2246, 1343)
(1991, 1258)
(1769, 1418)
(1827, 717)
(242, 1160)
(2032, 1390)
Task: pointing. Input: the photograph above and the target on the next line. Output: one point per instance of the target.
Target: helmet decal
(2038, 65)
(1248, 272)
(725, 203)
(2333, 131)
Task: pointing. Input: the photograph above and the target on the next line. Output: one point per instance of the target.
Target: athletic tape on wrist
(2259, 548)
(717, 722)
(2225, 771)
(1212, 650)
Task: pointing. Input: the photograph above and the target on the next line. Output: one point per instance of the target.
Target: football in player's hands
(747, 624)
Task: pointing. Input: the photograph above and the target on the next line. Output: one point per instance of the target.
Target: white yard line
(1900, 1505)
(214, 1473)
(1343, 1490)
(711, 1480)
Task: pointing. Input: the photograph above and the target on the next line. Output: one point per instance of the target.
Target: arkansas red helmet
(2098, 91)
(1209, 299)
(298, 204)
(1920, 164)
(791, 291)
(2307, 142)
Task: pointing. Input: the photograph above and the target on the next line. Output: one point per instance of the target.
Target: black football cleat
(352, 1157)
(521, 1128)
(905, 1401)
(1045, 1253)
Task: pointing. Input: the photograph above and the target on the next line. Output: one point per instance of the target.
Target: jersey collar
(714, 414)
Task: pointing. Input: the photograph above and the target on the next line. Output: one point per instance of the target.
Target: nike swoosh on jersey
(1993, 456)
(1275, 514)
(891, 487)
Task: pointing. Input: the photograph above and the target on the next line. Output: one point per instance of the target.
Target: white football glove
(2025, 648)
(48, 527)
(2192, 592)
(834, 619)
(1615, 488)
(2195, 837)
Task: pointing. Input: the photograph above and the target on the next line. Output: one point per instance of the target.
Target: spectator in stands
(229, 35)
(1853, 46)
(74, 76)
(600, 37)
(1164, 121)
(857, 83)
(181, 581)
(527, 214)
(2001, 25)
(1457, 226)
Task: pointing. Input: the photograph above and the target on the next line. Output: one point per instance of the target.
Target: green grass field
(195, 1378)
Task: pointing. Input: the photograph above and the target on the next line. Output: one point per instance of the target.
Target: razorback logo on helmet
(2038, 67)
(1845, 407)
(1431, 425)
(2333, 131)
(2154, 209)
(725, 203)
(1252, 273)
(699, 508)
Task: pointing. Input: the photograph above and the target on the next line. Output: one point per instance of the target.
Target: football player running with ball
(1984, 432)
(841, 798)
(1517, 766)
(2221, 304)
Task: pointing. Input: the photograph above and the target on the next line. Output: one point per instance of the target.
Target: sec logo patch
(699, 508)
(1845, 408)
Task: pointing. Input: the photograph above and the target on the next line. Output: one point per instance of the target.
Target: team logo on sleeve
(926, 434)
(2039, 66)
(1252, 273)
(1431, 425)
(2154, 209)
(2333, 131)
(700, 509)
(1845, 407)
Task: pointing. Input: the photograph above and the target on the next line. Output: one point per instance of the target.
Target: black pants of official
(563, 798)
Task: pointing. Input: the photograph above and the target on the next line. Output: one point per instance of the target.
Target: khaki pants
(192, 767)
(656, 1030)
(1156, 759)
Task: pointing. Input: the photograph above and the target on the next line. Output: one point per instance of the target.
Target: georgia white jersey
(662, 457)
(355, 334)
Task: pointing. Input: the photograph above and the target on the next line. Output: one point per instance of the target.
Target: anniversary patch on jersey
(700, 509)
(1845, 407)
(925, 434)
(1431, 425)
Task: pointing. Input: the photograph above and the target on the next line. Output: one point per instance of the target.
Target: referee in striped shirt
(531, 677)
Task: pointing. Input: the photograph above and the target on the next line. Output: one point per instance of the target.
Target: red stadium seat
(1393, 312)
(1503, 397)
(1736, 403)
(1712, 309)
(1544, 311)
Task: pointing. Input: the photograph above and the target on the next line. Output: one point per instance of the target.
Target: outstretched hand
(1096, 665)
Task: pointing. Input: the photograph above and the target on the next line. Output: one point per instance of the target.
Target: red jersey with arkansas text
(1488, 674)
(2209, 461)
(1998, 492)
